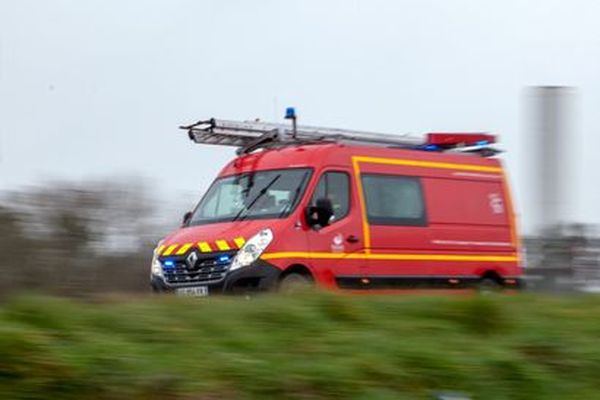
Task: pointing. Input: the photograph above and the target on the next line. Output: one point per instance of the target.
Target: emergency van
(343, 209)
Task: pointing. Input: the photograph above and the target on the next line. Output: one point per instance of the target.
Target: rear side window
(336, 187)
(394, 200)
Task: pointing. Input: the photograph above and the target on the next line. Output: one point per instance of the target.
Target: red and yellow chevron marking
(176, 249)
(170, 250)
(204, 247)
(223, 245)
(183, 249)
(239, 242)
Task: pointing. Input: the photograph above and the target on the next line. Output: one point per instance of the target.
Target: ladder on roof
(242, 134)
(251, 135)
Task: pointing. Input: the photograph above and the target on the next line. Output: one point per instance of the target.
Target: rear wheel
(294, 283)
(488, 285)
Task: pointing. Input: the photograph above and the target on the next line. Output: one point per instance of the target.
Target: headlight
(156, 267)
(252, 249)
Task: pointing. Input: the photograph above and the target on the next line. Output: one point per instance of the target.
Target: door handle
(352, 239)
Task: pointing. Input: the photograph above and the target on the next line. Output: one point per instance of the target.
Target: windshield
(263, 194)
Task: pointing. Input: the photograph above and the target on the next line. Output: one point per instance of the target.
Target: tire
(488, 285)
(295, 283)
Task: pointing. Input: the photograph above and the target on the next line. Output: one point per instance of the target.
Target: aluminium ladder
(252, 135)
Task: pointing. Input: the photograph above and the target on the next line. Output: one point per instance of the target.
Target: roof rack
(252, 135)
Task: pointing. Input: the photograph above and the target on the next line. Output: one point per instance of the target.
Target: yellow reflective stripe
(439, 257)
(393, 257)
(426, 164)
(204, 247)
(222, 245)
(512, 220)
(365, 223)
(160, 249)
(300, 254)
(183, 249)
(170, 249)
(239, 241)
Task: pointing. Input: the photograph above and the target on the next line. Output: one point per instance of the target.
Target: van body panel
(464, 230)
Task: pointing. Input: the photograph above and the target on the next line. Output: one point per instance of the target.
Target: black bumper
(258, 277)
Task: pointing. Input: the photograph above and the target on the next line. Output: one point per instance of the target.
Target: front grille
(208, 268)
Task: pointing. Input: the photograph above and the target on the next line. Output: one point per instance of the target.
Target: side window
(336, 187)
(394, 200)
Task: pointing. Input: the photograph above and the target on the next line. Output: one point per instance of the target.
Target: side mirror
(320, 214)
(186, 218)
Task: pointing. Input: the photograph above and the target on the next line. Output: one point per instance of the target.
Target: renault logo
(191, 259)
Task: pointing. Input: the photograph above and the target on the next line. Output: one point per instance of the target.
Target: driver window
(336, 187)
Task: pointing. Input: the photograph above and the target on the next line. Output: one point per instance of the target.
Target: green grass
(315, 346)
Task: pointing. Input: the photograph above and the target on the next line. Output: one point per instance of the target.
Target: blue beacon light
(290, 113)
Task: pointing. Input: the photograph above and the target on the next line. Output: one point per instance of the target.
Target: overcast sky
(98, 88)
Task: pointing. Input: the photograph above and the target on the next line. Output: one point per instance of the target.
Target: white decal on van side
(496, 203)
(476, 175)
(469, 243)
(337, 243)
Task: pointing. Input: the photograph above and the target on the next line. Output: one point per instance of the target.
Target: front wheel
(294, 283)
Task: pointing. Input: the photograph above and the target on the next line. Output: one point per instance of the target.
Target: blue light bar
(169, 264)
(482, 143)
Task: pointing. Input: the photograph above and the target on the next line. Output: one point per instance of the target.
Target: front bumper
(258, 277)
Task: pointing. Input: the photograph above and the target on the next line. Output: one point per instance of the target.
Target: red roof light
(453, 139)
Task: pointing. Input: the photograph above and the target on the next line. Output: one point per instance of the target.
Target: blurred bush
(78, 239)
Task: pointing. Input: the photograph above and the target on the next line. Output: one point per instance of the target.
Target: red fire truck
(343, 209)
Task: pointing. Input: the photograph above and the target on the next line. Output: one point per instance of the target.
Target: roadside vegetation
(79, 239)
(311, 346)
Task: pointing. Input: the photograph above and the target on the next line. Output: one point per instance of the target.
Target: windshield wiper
(258, 196)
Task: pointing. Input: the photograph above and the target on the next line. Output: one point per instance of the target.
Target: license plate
(197, 291)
